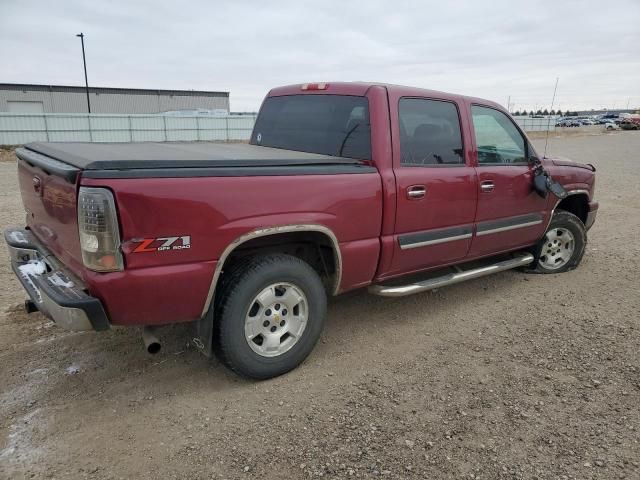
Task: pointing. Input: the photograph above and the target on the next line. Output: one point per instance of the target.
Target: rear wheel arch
(315, 244)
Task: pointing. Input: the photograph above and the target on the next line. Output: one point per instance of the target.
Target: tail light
(98, 229)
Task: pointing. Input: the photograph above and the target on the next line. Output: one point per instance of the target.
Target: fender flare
(269, 231)
(569, 194)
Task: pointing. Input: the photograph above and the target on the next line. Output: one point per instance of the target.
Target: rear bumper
(591, 215)
(55, 291)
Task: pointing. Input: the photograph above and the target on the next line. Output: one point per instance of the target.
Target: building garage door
(24, 107)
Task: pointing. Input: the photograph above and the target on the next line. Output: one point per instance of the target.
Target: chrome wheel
(557, 249)
(276, 319)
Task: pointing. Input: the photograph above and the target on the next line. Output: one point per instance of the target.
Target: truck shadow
(110, 364)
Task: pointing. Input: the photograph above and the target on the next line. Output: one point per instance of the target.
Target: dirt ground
(513, 376)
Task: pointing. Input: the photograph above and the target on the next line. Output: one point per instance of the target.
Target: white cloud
(507, 48)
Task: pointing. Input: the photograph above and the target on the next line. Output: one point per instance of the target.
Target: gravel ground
(508, 377)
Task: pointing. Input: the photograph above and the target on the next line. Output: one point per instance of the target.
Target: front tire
(562, 247)
(271, 313)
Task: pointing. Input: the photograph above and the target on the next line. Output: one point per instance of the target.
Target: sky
(490, 49)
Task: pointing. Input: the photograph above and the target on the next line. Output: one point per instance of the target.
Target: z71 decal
(162, 244)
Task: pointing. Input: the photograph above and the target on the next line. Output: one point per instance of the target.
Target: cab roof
(361, 88)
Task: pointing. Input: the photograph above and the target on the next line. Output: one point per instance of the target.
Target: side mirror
(540, 184)
(543, 183)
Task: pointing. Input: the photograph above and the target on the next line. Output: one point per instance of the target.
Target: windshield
(335, 125)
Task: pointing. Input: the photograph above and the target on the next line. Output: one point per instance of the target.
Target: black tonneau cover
(167, 155)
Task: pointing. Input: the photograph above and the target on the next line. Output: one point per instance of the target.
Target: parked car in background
(607, 118)
(630, 123)
(568, 122)
(610, 126)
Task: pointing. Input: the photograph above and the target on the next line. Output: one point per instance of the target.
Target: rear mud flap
(203, 334)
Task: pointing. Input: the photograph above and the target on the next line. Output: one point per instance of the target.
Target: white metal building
(24, 98)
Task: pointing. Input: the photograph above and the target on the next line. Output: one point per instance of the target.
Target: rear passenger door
(436, 186)
(510, 213)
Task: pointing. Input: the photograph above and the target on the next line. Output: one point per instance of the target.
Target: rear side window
(497, 138)
(429, 133)
(335, 125)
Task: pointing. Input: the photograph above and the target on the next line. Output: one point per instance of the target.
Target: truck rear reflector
(98, 230)
(315, 86)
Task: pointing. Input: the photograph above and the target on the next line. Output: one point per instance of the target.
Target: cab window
(336, 125)
(497, 138)
(429, 133)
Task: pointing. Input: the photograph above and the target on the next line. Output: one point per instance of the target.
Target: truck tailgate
(49, 195)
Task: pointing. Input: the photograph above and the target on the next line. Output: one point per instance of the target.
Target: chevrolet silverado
(342, 186)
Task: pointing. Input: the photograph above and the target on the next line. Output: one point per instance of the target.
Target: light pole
(84, 62)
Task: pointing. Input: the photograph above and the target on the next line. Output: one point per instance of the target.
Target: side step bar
(451, 278)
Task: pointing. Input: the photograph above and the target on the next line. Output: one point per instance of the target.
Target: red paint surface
(215, 211)
(51, 213)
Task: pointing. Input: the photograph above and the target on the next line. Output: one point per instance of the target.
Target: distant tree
(552, 112)
(559, 112)
(546, 112)
(524, 113)
(539, 112)
(516, 113)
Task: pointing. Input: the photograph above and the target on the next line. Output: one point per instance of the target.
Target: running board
(451, 278)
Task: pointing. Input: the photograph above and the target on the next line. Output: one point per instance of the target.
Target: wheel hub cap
(276, 319)
(557, 249)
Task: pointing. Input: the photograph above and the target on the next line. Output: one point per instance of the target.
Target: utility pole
(509, 104)
(84, 62)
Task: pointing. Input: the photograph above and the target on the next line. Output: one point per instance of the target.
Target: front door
(510, 213)
(436, 187)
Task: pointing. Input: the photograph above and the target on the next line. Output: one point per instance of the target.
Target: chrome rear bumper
(55, 291)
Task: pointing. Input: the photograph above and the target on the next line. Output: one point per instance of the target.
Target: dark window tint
(429, 133)
(497, 138)
(335, 125)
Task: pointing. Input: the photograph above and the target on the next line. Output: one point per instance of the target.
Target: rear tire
(270, 315)
(562, 247)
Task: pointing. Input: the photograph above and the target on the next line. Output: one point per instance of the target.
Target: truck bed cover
(123, 156)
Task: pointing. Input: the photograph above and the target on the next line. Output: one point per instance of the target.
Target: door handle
(487, 186)
(415, 192)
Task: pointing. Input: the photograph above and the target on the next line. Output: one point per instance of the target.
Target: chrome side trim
(434, 236)
(263, 232)
(510, 227)
(434, 242)
(451, 278)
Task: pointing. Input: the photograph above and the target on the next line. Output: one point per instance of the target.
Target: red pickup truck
(342, 186)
